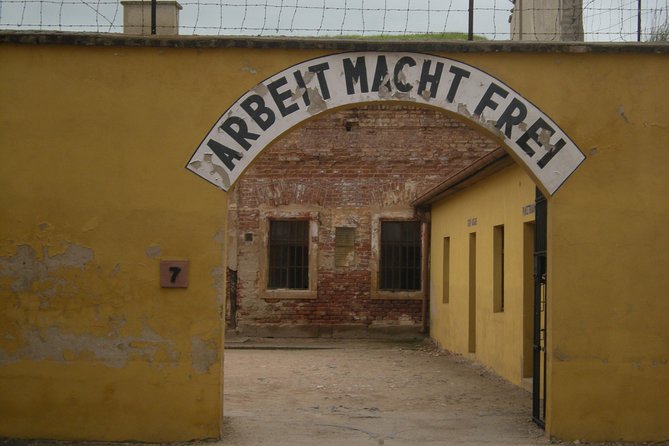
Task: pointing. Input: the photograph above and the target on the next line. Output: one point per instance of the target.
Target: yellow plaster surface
(497, 200)
(93, 142)
(609, 316)
(608, 328)
(93, 191)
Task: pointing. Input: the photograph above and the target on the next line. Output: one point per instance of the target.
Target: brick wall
(351, 168)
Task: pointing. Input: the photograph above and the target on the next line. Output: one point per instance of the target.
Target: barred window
(288, 254)
(400, 261)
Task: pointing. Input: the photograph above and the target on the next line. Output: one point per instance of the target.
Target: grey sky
(609, 20)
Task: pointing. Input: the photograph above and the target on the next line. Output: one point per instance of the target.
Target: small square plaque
(174, 273)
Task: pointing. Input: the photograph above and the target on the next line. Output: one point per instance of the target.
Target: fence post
(638, 21)
(153, 16)
(520, 13)
(470, 34)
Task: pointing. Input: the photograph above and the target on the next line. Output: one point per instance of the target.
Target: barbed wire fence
(603, 20)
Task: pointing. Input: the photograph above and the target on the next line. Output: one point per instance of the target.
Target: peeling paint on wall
(25, 269)
(153, 251)
(219, 237)
(621, 113)
(204, 354)
(218, 276)
(317, 103)
(214, 169)
(113, 351)
(248, 69)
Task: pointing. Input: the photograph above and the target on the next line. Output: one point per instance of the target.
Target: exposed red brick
(349, 166)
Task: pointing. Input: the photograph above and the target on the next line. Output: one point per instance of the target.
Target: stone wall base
(352, 331)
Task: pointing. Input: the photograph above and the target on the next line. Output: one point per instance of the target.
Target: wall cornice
(320, 43)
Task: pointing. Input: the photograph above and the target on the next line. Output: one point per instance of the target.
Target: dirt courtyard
(351, 392)
(368, 393)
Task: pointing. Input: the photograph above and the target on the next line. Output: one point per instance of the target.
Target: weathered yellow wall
(494, 201)
(608, 256)
(92, 144)
(608, 370)
(93, 194)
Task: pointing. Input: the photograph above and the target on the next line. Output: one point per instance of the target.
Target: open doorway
(345, 178)
(540, 305)
(528, 300)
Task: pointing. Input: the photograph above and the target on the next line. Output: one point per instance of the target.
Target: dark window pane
(400, 259)
(288, 254)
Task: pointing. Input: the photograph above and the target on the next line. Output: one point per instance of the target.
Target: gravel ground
(369, 393)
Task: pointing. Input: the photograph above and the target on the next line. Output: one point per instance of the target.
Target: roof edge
(483, 167)
(324, 43)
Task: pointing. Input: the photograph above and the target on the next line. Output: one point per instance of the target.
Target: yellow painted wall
(608, 258)
(92, 144)
(497, 200)
(93, 194)
(608, 327)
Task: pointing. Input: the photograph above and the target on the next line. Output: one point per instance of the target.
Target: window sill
(288, 294)
(397, 295)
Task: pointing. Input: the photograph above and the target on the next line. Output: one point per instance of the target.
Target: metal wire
(603, 20)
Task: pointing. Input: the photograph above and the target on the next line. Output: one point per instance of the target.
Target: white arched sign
(304, 90)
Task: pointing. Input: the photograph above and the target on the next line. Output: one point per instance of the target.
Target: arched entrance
(321, 85)
(347, 174)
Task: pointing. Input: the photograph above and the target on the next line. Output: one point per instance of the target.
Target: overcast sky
(611, 20)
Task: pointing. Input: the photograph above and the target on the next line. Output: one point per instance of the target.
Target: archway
(283, 177)
(318, 86)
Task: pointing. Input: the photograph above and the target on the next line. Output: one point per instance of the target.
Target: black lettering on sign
(486, 100)
(300, 83)
(225, 154)
(380, 73)
(320, 74)
(239, 131)
(175, 270)
(399, 66)
(281, 96)
(551, 153)
(459, 74)
(355, 73)
(508, 119)
(533, 134)
(255, 107)
(432, 79)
